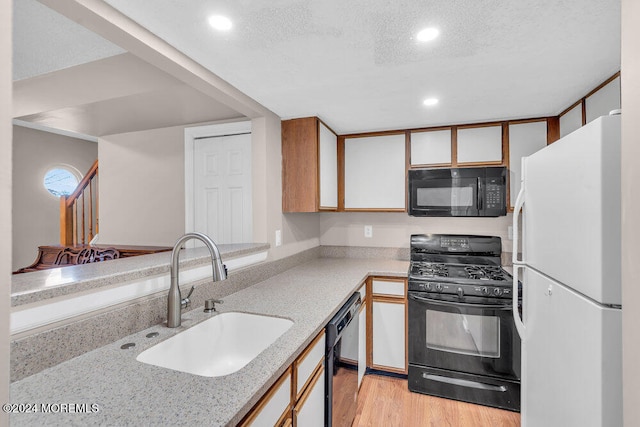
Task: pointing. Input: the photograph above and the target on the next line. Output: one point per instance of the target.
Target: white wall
(142, 190)
(142, 187)
(394, 229)
(5, 200)
(630, 73)
(36, 213)
(299, 231)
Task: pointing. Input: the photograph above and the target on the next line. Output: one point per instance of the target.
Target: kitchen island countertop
(124, 391)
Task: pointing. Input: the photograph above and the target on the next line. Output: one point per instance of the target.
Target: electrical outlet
(278, 237)
(368, 231)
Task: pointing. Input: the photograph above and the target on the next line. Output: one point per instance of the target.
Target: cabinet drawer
(388, 287)
(363, 293)
(273, 405)
(307, 362)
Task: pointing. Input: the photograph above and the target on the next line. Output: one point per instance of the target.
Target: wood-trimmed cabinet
(431, 148)
(524, 139)
(375, 172)
(387, 326)
(309, 166)
(599, 102)
(479, 145)
(367, 171)
(362, 335)
(274, 408)
(297, 398)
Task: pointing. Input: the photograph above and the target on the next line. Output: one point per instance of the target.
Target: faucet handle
(210, 305)
(186, 302)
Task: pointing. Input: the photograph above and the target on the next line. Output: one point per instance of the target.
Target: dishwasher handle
(342, 319)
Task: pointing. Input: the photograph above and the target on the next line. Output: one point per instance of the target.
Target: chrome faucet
(176, 303)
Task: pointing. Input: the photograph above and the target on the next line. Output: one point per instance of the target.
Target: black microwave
(458, 191)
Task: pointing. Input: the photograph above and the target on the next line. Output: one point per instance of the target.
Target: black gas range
(462, 338)
(465, 266)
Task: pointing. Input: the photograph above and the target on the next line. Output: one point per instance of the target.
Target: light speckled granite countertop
(128, 392)
(39, 285)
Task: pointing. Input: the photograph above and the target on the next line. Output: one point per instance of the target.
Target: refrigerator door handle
(517, 264)
(520, 327)
(516, 226)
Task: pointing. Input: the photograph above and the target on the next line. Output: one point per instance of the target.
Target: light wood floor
(387, 402)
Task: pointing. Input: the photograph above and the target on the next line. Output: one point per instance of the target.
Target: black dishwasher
(342, 364)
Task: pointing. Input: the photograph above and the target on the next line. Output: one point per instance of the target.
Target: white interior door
(222, 188)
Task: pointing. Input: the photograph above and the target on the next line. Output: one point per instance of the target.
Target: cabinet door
(362, 343)
(607, 98)
(374, 173)
(388, 322)
(309, 411)
(431, 148)
(273, 405)
(328, 167)
(480, 145)
(524, 140)
(571, 120)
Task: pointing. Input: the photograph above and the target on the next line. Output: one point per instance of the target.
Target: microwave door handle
(480, 201)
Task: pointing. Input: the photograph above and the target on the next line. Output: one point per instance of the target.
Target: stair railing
(79, 211)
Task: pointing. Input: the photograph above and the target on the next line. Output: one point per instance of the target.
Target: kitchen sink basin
(218, 346)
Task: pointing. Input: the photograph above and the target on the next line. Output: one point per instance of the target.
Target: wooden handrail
(75, 226)
(93, 171)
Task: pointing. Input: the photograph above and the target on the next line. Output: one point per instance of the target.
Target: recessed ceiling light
(220, 23)
(428, 34)
(429, 102)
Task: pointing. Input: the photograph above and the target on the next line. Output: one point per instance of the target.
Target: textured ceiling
(356, 64)
(45, 41)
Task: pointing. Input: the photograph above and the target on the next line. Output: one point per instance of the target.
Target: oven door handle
(460, 304)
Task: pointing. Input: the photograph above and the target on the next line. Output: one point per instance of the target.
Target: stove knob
(460, 292)
(428, 286)
(497, 292)
(485, 291)
(439, 287)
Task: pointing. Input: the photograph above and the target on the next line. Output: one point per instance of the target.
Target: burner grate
(430, 269)
(485, 272)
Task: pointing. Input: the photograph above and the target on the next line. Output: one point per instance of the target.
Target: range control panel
(454, 243)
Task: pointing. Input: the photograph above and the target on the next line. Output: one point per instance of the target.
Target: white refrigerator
(571, 325)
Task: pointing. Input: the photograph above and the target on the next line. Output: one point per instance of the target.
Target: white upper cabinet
(431, 148)
(524, 140)
(328, 168)
(571, 120)
(480, 145)
(607, 98)
(374, 172)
